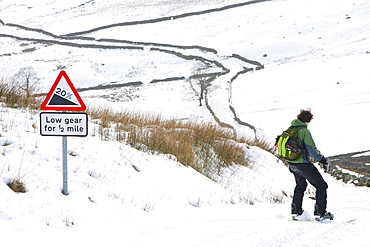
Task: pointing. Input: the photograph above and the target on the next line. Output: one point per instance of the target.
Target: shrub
(19, 90)
(17, 186)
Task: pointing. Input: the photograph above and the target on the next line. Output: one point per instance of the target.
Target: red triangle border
(45, 106)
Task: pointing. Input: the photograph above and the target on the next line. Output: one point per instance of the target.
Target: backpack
(288, 144)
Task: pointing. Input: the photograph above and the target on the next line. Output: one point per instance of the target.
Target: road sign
(63, 96)
(63, 124)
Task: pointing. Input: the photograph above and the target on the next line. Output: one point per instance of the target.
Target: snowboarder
(303, 171)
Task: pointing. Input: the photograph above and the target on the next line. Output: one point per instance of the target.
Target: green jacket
(308, 143)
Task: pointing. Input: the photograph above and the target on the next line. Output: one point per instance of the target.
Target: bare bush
(200, 82)
(18, 91)
(27, 80)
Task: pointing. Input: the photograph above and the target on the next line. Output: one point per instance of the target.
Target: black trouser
(303, 172)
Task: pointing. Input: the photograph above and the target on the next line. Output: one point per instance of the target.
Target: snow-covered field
(315, 55)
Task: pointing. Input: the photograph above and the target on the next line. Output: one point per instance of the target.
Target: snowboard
(314, 221)
(351, 221)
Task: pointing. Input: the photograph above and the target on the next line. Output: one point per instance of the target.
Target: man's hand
(325, 164)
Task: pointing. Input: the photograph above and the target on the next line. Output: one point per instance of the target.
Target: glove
(325, 164)
(323, 161)
(326, 167)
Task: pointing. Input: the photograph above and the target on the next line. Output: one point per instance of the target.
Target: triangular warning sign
(63, 96)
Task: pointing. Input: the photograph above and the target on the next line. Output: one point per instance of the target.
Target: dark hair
(305, 116)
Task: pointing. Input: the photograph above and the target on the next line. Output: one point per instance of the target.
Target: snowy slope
(315, 55)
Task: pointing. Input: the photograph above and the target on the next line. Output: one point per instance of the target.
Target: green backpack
(288, 144)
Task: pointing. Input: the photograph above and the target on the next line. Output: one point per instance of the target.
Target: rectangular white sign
(63, 124)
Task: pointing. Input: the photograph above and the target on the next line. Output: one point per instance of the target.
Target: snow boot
(326, 217)
(296, 213)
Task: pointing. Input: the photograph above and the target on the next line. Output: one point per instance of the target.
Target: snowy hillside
(270, 59)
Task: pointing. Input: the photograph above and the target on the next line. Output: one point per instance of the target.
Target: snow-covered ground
(315, 55)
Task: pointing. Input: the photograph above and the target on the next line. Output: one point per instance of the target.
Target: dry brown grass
(263, 143)
(15, 97)
(204, 146)
(17, 186)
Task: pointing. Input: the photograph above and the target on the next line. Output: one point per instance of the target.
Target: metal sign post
(65, 166)
(63, 96)
(63, 124)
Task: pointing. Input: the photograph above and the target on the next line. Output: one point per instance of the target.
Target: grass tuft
(17, 186)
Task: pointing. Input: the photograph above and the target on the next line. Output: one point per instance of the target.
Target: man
(303, 170)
